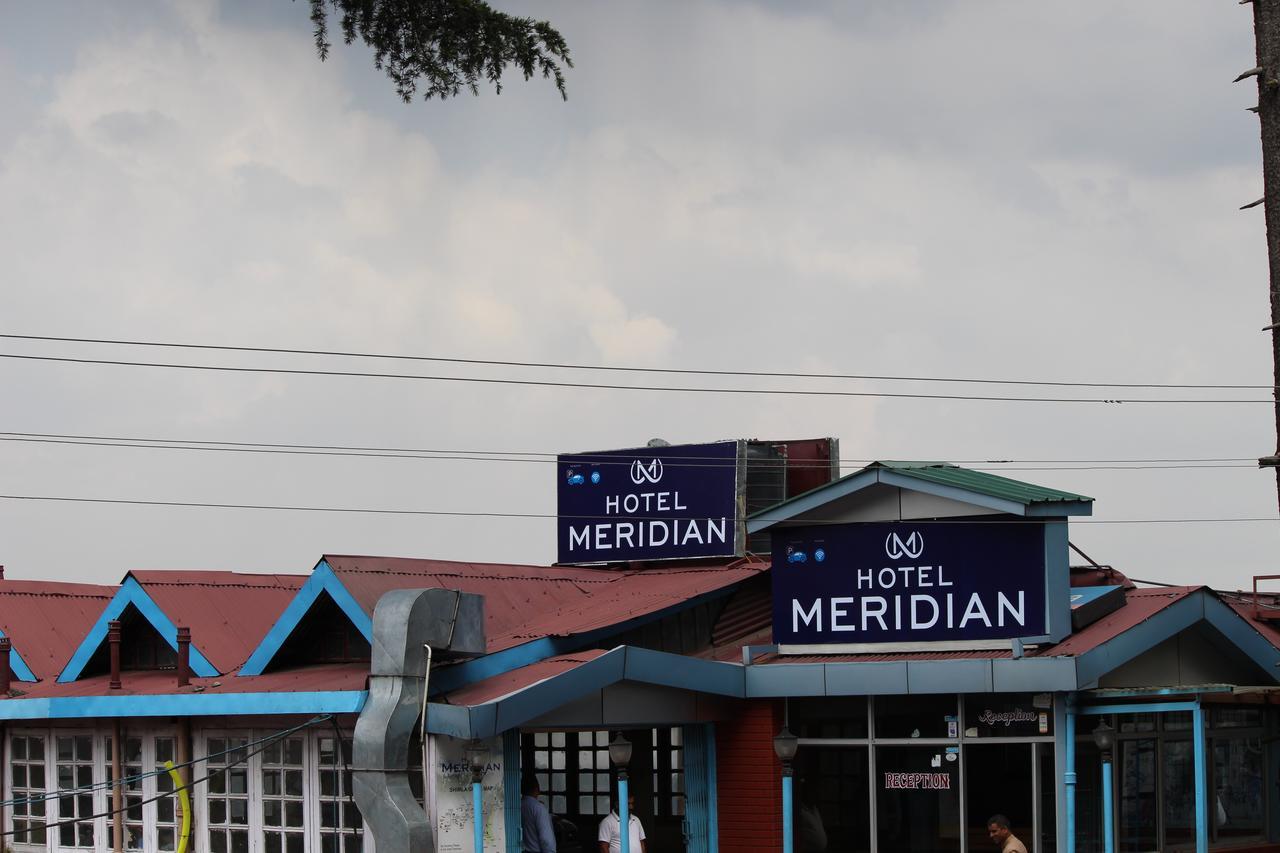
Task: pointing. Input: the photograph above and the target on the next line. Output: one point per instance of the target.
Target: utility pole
(1266, 28)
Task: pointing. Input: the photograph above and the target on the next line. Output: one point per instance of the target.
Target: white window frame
(102, 799)
(310, 786)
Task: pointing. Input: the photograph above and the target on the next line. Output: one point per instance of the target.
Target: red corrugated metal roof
(46, 620)
(228, 612)
(320, 677)
(1140, 605)
(518, 679)
(529, 602)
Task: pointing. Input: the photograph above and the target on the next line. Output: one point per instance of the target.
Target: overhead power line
(674, 371)
(354, 451)
(607, 386)
(543, 515)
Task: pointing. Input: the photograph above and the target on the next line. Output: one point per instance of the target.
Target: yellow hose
(185, 800)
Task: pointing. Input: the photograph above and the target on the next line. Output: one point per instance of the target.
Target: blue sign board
(908, 582)
(650, 503)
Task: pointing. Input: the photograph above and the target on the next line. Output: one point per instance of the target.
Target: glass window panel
(602, 738)
(1137, 782)
(586, 759)
(559, 804)
(917, 793)
(998, 781)
(602, 804)
(557, 781)
(1178, 784)
(1008, 715)
(585, 782)
(293, 813)
(65, 749)
(557, 760)
(585, 804)
(585, 738)
(1235, 717)
(1238, 799)
(541, 760)
(916, 716)
(540, 739)
(557, 740)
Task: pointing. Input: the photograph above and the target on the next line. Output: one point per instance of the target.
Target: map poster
(452, 796)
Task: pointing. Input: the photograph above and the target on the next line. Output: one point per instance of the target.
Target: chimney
(113, 640)
(184, 656)
(6, 673)
(1, 573)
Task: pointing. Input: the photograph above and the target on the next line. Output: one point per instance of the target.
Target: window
(281, 774)
(74, 768)
(28, 781)
(340, 825)
(668, 772)
(130, 771)
(166, 810)
(228, 795)
(289, 795)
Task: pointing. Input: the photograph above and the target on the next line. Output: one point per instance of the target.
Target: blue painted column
(624, 813)
(477, 815)
(1108, 819)
(786, 811)
(1069, 776)
(1202, 793)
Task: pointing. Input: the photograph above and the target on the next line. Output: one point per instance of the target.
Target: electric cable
(544, 515)
(63, 792)
(631, 369)
(112, 812)
(606, 386)
(542, 457)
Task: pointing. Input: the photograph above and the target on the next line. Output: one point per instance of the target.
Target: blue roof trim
(17, 665)
(184, 704)
(322, 580)
(469, 672)
(797, 507)
(1108, 656)
(820, 496)
(1242, 635)
(131, 592)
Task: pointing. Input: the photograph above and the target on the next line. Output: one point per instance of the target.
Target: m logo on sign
(897, 548)
(642, 473)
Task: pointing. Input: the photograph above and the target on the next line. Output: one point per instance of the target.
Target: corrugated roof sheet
(530, 602)
(228, 612)
(944, 473)
(518, 679)
(319, 677)
(46, 620)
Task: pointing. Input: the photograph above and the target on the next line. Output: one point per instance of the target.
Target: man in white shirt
(610, 834)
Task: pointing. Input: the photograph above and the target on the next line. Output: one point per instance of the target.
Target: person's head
(631, 802)
(529, 786)
(998, 828)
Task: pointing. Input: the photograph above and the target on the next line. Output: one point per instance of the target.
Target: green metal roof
(981, 482)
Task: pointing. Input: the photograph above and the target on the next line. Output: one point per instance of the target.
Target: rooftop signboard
(651, 503)
(910, 582)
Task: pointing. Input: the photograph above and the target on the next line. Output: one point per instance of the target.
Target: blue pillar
(624, 814)
(1108, 820)
(1069, 777)
(786, 812)
(1202, 794)
(477, 815)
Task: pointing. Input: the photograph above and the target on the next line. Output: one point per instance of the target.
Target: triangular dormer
(323, 623)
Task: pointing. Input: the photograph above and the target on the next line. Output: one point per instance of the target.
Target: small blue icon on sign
(576, 479)
(595, 478)
(797, 557)
(819, 555)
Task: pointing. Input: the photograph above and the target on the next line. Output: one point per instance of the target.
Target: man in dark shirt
(535, 820)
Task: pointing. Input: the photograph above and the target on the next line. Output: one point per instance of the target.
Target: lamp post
(477, 755)
(785, 745)
(1105, 738)
(620, 755)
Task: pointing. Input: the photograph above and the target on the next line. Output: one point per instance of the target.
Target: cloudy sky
(991, 191)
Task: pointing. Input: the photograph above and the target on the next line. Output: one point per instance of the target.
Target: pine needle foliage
(438, 47)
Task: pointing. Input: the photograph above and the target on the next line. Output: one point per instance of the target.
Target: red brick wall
(749, 780)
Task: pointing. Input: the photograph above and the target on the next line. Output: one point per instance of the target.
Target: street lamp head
(620, 752)
(477, 757)
(785, 745)
(1105, 737)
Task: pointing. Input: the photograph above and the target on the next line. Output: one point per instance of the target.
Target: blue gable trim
(322, 581)
(1243, 636)
(131, 592)
(17, 665)
(184, 705)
